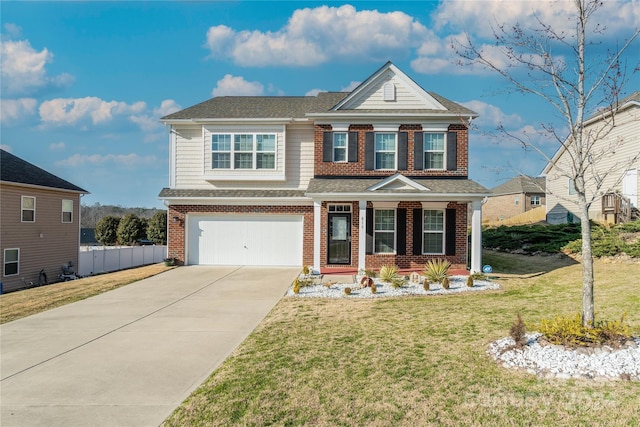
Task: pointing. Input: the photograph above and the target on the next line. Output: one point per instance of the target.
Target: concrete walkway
(129, 357)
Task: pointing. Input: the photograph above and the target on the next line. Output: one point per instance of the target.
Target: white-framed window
(434, 146)
(11, 262)
(384, 231)
(339, 208)
(385, 150)
(572, 188)
(516, 200)
(221, 151)
(28, 209)
(535, 200)
(339, 146)
(243, 151)
(67, 210)
(433, 231)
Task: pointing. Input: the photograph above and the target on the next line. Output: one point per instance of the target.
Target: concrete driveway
(129, 357)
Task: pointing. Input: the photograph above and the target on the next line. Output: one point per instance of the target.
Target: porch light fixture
(176, 219)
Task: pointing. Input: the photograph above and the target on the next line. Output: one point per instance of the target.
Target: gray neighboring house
(516, 196)
(39, 223)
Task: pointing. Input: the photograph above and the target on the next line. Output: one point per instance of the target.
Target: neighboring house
(338, 181)
(516, 196)
(618, 154)
(39, 223)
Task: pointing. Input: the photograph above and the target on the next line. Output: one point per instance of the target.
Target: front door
(339, 244)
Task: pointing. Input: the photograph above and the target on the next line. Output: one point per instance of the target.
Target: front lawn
(417, 360)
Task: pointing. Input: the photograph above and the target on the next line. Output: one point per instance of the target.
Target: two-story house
(39, 223)
(612, 179)
(338, 181)
(518, 195)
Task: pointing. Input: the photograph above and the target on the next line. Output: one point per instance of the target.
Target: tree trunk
(588, 316)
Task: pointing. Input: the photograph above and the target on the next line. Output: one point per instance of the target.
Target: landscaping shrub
(569, 331)
(435, 270)
(469, 282)
(530, 238)
(389, 273)
(518, 331)
(445, 283)
(347, 291)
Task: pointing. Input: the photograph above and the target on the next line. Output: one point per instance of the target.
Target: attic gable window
(247, 151)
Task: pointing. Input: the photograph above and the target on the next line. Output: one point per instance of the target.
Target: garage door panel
(259, 240)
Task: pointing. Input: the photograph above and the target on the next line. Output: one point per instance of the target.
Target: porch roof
(370, 188)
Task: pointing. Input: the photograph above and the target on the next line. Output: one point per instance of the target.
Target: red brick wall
(357, 168)
(176, 238)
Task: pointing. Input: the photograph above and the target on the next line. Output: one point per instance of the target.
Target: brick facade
(358, 168)
(504, 206)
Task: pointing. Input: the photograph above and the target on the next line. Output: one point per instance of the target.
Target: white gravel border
(457, 284)
(555, 361)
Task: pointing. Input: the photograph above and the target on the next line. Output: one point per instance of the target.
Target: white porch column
(362, 235)
(316, 235)
(476, 237)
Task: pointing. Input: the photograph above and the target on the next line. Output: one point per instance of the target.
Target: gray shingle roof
(356, 185)
(258, 107)
(14, 169)
(521, 184)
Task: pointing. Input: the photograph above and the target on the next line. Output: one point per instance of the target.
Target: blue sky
(84, 83)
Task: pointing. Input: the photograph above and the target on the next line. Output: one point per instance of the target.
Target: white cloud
(480, 17)
(492, 116)
(72, 111)
(315, 36)
(124, 160)
(314, 92)
(12, 30)
(14, 110)
(23, 69)
(237, 86)
(150, 123)
(57, 146)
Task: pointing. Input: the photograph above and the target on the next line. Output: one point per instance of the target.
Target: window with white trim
(384, 231)
(28, 209)
(433, 231)
(516, 200)
(243, 151)
(67, 210)
(385, 150)
(11, 262)
(434, 146)
(339, 146)
(535, 200)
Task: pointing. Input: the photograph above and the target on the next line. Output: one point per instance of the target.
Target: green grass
(417, 360)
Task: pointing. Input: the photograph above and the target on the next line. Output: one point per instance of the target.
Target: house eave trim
(43, 187)
(401, 197)
(242, 201)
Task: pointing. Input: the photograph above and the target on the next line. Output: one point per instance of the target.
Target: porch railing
(617, 205)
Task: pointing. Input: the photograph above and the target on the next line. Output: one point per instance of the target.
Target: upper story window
(384, 231)
(572, 188)
(28, 209)
(67, 210)
(11, 262)
(243, 151)
(535, 200)
(339, 146)
(433, 231)
(385, 150)
(434, 146)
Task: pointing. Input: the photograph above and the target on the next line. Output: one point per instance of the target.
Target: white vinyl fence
(104, 259)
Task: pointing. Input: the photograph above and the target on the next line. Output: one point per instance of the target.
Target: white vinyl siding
(614, 153)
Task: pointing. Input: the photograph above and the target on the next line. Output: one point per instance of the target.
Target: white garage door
(274, 240)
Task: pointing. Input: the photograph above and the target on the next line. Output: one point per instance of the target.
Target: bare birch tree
(569, 71)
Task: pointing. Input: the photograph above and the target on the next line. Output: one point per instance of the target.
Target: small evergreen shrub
(373, 288)
(435, 270)
(296, 286)
(426, 285)
(518, 331)
(445, 283)
(389, 273)
(347, 291)
(469, 282)
(305, 270)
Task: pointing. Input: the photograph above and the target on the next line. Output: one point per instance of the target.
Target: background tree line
(125, 226)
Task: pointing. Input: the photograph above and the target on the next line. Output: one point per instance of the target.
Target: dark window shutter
(452, 151)
(403, 138)
(369, 248)
(450, 233)
(327, 147)
(353, 147)
(417, 231)
(369, 151)
(418, 151)
(401, 227)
